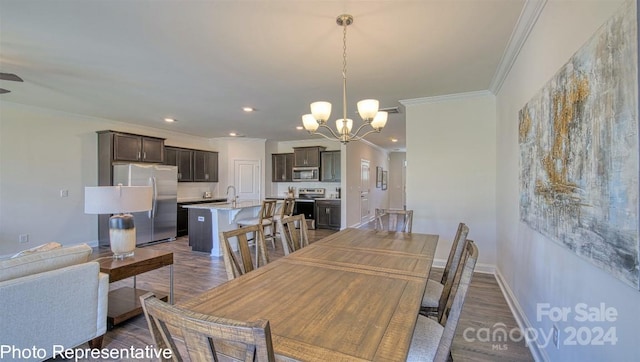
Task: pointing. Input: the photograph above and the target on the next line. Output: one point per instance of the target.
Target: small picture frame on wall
(384, 180)
(378, 177)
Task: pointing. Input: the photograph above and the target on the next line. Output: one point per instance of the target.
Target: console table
(124, 303)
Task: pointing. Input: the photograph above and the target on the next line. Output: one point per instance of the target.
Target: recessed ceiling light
(170, 120)
(248, 109)
(233, 134)
(394, 140)
(299, 127)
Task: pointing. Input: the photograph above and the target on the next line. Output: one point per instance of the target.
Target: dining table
(354, 295)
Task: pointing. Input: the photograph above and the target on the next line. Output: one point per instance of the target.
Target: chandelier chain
(344, 74)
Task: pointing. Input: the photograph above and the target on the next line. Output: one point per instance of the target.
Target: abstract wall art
(578, 141)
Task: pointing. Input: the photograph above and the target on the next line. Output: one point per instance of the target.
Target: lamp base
(122, 235)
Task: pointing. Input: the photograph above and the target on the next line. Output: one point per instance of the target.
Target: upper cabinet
(330, 166)
(183, 159)
(193, 165)
(205, 166)
(129, 147)
(282, 167)
(307, 156)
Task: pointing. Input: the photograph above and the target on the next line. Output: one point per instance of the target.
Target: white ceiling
(200, 62)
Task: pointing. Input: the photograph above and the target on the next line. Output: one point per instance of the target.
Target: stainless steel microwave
(306, 174)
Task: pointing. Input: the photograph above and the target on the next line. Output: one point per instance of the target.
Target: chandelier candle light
(120, 201)
(368, 108)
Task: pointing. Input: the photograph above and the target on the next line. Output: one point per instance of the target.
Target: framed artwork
(378, 177)
(384, 180)
(579, 153)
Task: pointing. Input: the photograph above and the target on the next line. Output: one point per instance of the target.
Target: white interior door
(247, 179)
(365, 212)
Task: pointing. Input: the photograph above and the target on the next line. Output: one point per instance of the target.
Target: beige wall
(397, 179)
(355, 152)
(534, 268)
(451, 165)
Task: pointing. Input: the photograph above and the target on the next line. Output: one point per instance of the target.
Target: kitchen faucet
(234, 193)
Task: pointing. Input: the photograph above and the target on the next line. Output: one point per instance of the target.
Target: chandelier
(368, 108)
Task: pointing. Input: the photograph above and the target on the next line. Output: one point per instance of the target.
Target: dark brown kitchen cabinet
(328, 214)
(282, 167)
(205, 166)
(183, 159)
(135, 148)
(307, 156)
(330, 166)
(116, 146)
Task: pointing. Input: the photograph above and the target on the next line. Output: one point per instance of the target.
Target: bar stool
(265, 218)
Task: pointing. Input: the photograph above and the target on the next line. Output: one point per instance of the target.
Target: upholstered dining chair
(432, 339)
(397, 220)
(285, 210)
(207, 338)
(436, 292)
(293, 239)
(237, 265)
(265, 218)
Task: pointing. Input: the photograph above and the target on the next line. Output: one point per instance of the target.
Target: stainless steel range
(306, 204)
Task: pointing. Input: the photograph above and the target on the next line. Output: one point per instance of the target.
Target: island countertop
(226, 205)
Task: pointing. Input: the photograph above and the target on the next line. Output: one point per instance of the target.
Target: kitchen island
(206, 221)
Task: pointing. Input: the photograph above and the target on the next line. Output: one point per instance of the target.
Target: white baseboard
(480, 268)
(522, 320)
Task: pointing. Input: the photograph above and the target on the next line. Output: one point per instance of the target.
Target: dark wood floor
(485, 309)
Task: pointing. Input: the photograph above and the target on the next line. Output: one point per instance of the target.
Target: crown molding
(528, 18)
(446, 97)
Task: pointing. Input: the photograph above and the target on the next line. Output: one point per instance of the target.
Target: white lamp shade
(321, 111)
(310, 123)
(117, 199)
(368, 108)
(340, 125)
(380, 120)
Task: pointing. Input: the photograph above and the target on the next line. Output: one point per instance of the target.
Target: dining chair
(432, 339)
(397, 220)
(207, 338)
(436, 292)
(294, 239)
(265, 218)
(285, 210)
(237, 265)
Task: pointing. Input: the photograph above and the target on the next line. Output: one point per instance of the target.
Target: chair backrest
(397, 220)
(293, 239)
(453, 265)
(267, 210)
(237, 265)
(456, 251)
(207, 338)
(286, 209)
(454, 307)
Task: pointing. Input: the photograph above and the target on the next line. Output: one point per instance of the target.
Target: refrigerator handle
(152, 183)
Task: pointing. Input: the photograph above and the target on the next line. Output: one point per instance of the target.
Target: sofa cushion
(38, 249)
(43, 261)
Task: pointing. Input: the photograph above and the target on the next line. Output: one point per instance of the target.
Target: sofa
(51, 300)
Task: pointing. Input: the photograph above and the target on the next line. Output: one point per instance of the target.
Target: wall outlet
(23, 238)
(64, 193)
(556, 336)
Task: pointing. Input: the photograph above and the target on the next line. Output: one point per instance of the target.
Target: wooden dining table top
(354, 295)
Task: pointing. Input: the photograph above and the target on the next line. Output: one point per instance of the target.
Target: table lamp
(120, 201)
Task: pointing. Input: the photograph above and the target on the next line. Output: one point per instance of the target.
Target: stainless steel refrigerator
(160, 223)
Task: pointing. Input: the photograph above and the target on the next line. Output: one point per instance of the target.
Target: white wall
(534, 268)
(43, 152)
(231, 149)
(397, 179)
(451, 169)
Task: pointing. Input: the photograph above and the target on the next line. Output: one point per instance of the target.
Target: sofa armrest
(57, 307)
(103, 297)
